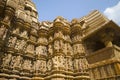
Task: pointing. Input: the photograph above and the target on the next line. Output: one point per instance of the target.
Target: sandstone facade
(83, 49)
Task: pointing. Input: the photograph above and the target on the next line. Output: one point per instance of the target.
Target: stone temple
(87, 48)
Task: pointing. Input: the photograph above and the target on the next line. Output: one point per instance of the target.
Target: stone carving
(78, 48)
(40, 66)
(16, 31)
(30, 48)
(50, 49)
(36, 66)
(58, 34)
(16, 61)
(24, 34)
(20, 44)
(67, 38)
(58, 45)
(27, 65)
(76, 65)
(68, 63)
(49, 65)
(41, 50)
(43, 66)
(12, 41)
(6, 60)
(76, 38)
(58, 62)
(80, 65)
(50, 38)
(2, 31)
(42, 40)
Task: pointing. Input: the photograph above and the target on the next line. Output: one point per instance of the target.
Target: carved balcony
(104, 56)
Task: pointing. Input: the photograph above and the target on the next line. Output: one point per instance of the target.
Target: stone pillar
(80, 63)
(40, 64)
(107, 38)
(5, 24)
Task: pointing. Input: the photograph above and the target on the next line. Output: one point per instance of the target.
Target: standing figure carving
(6, 60)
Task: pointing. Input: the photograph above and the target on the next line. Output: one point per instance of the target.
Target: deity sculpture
(16, 62)
(36, 66)
(41, 50)
(76, 64)
(58, 45)
(49, 65)
(50, 49)
(58, 61)
(30, 48)
(43, 66)
(27, 65)
(12, 41)
(2, 31)
(6, 60)
(20, 44)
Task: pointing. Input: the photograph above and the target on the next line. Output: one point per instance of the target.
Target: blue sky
(69, 9)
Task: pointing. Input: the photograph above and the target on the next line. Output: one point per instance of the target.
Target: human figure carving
(50, 49)
(2, 31)
(12, 41)
(7, 59)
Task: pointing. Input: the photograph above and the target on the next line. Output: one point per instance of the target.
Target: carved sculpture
(20, 44)
(30, 48)
(41, 50)
(16, 62)
(12, 41)
(6, 60)
(27, 65)
(58, 61)
(49, 65)
(24, 34)
(50, 49)
(2, 31)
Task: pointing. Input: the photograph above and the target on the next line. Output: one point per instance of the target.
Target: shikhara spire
(83, 49)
